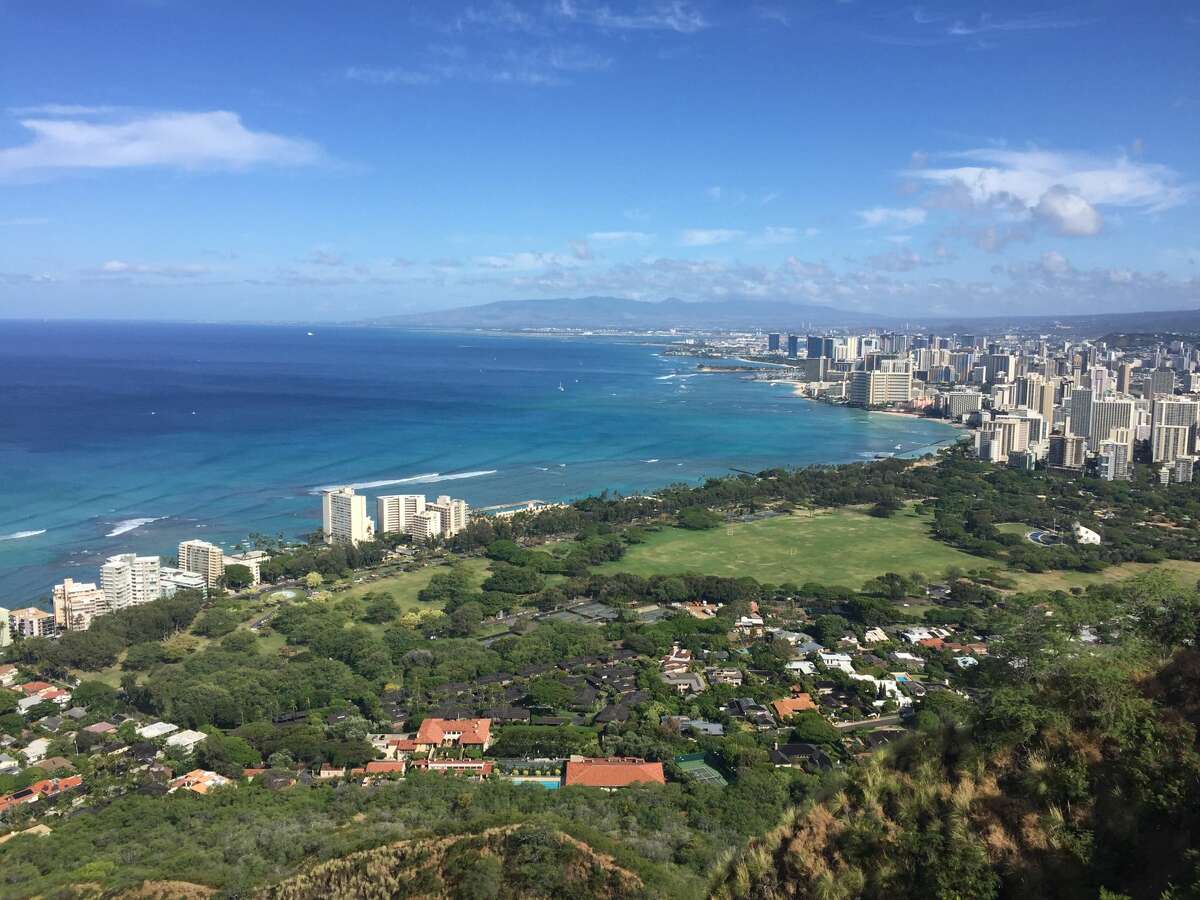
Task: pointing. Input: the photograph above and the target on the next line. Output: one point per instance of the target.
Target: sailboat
(560, 386)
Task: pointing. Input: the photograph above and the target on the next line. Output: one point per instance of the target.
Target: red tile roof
(789, 706)
(473, 731)
(33, 687)
(615, 772)
(385, 765)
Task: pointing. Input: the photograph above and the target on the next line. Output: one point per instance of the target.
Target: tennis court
(694, 766)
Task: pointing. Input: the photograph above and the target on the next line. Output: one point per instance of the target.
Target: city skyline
(333, 167)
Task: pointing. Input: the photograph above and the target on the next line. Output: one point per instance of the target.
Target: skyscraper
(395, 512)
(203, 558)
(772, 343)
(344, 517)
(1173, 425)
(130, 580)
(793, 346)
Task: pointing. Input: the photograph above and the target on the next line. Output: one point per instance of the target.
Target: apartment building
(5, 633)
(77, 604)
(130, 580)
(1172, 428)
(394, 513)
(344, 517)
(879, 388)
(31, 622)
(203, 558)
(453, 514)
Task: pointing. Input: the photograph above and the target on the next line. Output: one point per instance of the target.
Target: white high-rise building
(453, 514)
(129, 580)
(75, 605)
(203, 558)
(1107, 416)
(344, 517)
(396, 512)
(1114, 457)
(5, 634)
(1172, 428)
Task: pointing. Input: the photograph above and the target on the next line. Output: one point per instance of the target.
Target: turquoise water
(118, 437)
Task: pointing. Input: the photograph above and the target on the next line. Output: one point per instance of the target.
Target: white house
(156, 730)
(36, 751)
(837, 661)
(1086, 535)
(186, 739)
(875, 636)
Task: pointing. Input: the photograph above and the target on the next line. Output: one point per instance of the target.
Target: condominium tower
(344, 517)
(76, 604)
(129, 580)
(203, 558)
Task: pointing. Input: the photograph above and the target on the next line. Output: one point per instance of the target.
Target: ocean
(130, 437)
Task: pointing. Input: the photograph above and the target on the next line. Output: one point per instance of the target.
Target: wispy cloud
(675, 15)
(922, 27)
(617, 237)
(121, 268)
(892, 217)
(547, 66)
(708, 237)
(181, 140)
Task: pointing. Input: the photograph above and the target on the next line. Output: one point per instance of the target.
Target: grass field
(841, 546)
(405, 586)
(1186, 571)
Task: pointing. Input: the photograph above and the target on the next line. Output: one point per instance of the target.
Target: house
(198, 781)
(8, 765)
(965, 662)
(30, 688)
(789, 706)
(875, 636)
(156, 730)
(475, 769)
(803, 666)
(727, 675)
(46, 789)
(801, 756)
(1085, 535)
(678, 660)
(754, 713)
(8, 675)
(35, 752)
(840, 661)
(100, 728)
(613, 772)
(458, 733)
(695, 726)
(685, 682)
(56, 764)
(386, 767)
(188, 740)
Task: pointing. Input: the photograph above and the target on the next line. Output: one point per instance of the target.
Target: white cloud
(883, 215)
(673, 15)
(707, 237)
(1068, 213)
(618, 237)
(997, 177)
(526, 260)
(120, 267)
(532, 67)
(180, 140)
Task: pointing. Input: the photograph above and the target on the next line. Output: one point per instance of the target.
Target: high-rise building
(344, 517)
(879, 388)
(772, 343)
(793, 346)
(129, 580)
(395, 512)
(75, 605)
(1161, 381)
(1114, 457)
(30, 622)
(1183, 470)
(453, 514)
(1066, 451)
(5, 634)
(203, 558)
(1107, 416)
(1081, 411)
(1125, 378)
(1172, 428)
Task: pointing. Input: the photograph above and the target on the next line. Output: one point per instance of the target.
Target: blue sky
(215, 161)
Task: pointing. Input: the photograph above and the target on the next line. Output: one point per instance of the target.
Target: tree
(886, 507)
(548, 691)
(380, 609)
(697, 518)
(238, 577)
(810, 727)
(313, 580)
(829, 629)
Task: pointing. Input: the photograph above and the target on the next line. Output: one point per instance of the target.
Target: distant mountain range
(643, 315)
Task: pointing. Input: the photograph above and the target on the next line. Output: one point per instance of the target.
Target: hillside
(513, 861)
(1086, 784)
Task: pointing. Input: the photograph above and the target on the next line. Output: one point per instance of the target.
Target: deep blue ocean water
(118, 437)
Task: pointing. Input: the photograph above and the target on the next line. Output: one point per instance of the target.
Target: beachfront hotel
(344, 517)
(424, 519)
(203, 558)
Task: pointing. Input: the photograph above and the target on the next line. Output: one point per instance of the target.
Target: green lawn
(841, 546)
(405, 586)
(1185, 571)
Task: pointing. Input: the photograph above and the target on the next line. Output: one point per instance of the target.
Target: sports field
(840, 546)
